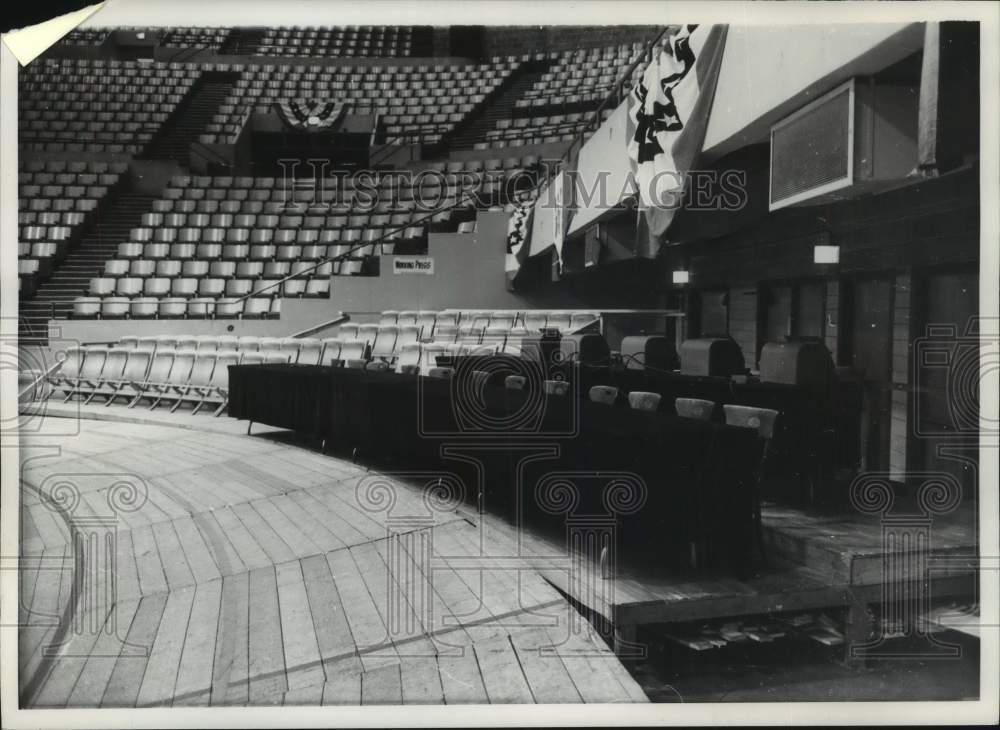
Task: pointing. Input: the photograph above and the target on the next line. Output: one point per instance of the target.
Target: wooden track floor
(175, 566)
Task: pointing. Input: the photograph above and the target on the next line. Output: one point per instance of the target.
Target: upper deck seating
(98, 105)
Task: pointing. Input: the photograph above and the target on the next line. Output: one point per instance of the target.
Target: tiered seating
(76, 105)
(86, 36)
(580, 79)
(210, 241)
(562, 102)
(346, 41)
(55, 199)
(541, 129)
(422, 102)
(186, 37)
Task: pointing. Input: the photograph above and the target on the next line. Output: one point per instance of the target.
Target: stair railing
(385, 238)
(314, 329)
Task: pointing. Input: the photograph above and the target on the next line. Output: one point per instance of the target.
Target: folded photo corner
(28, 43)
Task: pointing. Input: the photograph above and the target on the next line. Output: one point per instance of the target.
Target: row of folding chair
(188, 287)
(114, 307)
(228, 268)
(145, 373)
(353, 247)
(304, 262)
(531, 320)
(75, 166)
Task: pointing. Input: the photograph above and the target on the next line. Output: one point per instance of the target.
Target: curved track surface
(186, 566)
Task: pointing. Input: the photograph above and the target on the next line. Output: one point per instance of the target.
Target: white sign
(413, 265)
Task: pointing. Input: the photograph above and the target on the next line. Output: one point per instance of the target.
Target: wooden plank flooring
(249, 573)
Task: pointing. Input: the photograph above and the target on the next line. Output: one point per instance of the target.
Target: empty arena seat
(352, 352)
(143, 308)
(368, 333)
(644, 401)
(271, 345)
(86, 307)
(408, 361)
(384, 343)
(331, 351)
(89, 374)
(200, 307)
(604, 394)
(557, 388)
(348, 332)
(172, 308)
(535, 321)
(256, 307)
(206, 343)
(697, 408)
(115, 307)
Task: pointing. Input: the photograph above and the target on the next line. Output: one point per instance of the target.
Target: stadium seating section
(232, 246)
(85, 36)
(346, 41)
(580, 79)
(82, 105)
(56, 199)
(211, 241)
(173, 37)
(420, 102)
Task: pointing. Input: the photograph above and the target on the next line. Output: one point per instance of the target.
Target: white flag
(669, 110)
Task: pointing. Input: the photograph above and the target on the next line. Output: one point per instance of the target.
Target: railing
(34, 383)
(308, 331)
(381, 241)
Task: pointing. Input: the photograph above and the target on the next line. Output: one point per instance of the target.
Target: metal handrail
(339, 319)
(31, 386)
(381, 241)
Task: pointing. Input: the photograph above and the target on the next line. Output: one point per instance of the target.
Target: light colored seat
(644, 401)
(604, 394)
(331, 351)
(348, 332)
(408, 361)
(384, 344)
(248, 343)
(696, 408)
(271, 345)
(310, 351)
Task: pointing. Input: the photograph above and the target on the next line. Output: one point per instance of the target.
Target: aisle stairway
(502, 107)
(192, 116)
(71, 279)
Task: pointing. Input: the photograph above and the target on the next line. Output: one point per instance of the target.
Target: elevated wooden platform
(813, 561)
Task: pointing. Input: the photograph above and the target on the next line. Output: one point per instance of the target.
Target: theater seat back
(93, 363)
(696, 408)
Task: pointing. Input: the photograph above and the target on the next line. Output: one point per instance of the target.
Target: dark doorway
(871, 356)
(946, 377)
(466, 41)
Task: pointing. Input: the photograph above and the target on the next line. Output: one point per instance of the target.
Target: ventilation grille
(811, 150)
